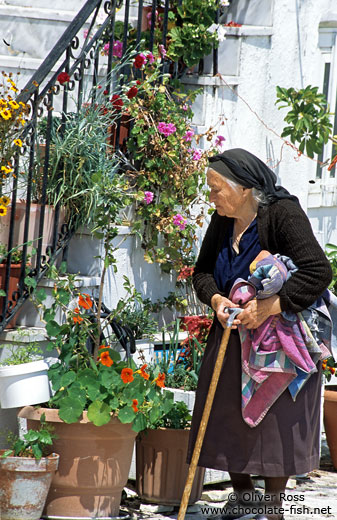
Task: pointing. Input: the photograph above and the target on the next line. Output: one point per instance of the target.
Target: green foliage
(16, 254)
(329, 366)
(35, 443)
(178, 418)
(308, 118)
(189, 37)
(136, 312)
(331, 253)
(167, 168)
(101, 383)
(22, 354)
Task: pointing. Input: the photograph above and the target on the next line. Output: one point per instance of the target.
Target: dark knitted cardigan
(283, 228)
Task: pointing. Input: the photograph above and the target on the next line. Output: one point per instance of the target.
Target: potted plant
(161, 470)
(26, 471)
(23, 376)
(15, 273)
(99, 404)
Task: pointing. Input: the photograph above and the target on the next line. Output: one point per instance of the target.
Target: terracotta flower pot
(124, 131)
(13, 286)
(161, 470)
(330, 422)
(24, 485)
(94, 465)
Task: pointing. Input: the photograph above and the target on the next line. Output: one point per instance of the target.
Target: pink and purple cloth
(282, 352)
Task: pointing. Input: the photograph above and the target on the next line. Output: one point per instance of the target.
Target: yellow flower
(14, 104)
(6, 114)
(6, 169)
(3, 211)
(4, 200)
(22, 121)
(18, 142)
(15, 89)
(3, 103)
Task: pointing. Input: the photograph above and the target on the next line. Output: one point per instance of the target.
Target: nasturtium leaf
(99, 413)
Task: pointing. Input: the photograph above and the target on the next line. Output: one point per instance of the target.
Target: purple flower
(150, 57)
(117, 49)
(148, 197)
(166, 128)
(178, 220)
(197, 154)
(162, 50)
(188, 136)
(219, 141)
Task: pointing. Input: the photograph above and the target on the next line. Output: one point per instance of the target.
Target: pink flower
(188, 136)
(140, 60)
(185, 107)
(219, 141)
(197, 154)
(162, 50)
(85, 33)
(106, 49)
(178, 220)
(148, 197)
(166, 128)
(117, 49)
(150, 57)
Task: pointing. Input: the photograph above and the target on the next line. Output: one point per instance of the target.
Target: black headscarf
(247, 170)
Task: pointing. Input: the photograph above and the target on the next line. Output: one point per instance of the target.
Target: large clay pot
(161, 470)
(330, 422)
(24, 485)
(34, 225)
(94, 465)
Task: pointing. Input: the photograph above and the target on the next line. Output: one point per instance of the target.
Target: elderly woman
(252, 214)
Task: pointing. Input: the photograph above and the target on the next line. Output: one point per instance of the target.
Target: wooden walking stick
(207, 410)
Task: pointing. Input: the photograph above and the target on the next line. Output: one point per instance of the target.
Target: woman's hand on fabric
(219, 304)
(255, 312)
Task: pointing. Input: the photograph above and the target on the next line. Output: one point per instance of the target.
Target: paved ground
(312, 497)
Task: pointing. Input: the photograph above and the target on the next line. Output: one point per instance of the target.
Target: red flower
(138, 82)
(140, 60)
(117, 102)
(85, 301)
(185, 273)
(77, 319)
(134, 405)
(142, 372)
(105, 92)
(63, 78)
(127, 375)
(233, 24)
(132, 92)
(160, 380)
(105, 359)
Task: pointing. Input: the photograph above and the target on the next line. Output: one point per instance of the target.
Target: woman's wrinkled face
(228, 200)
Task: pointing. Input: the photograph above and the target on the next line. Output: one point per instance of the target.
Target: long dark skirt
(286, 442)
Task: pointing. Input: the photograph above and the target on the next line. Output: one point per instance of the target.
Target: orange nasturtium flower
(134, 405)
(127, 375)
(77, 319)
(142, 372)
(160, 380)
(85, 301)
(105, 359)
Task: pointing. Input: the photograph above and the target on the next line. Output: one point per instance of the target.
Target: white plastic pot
(24, 385)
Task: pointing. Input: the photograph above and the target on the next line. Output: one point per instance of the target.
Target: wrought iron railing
(46, 99)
